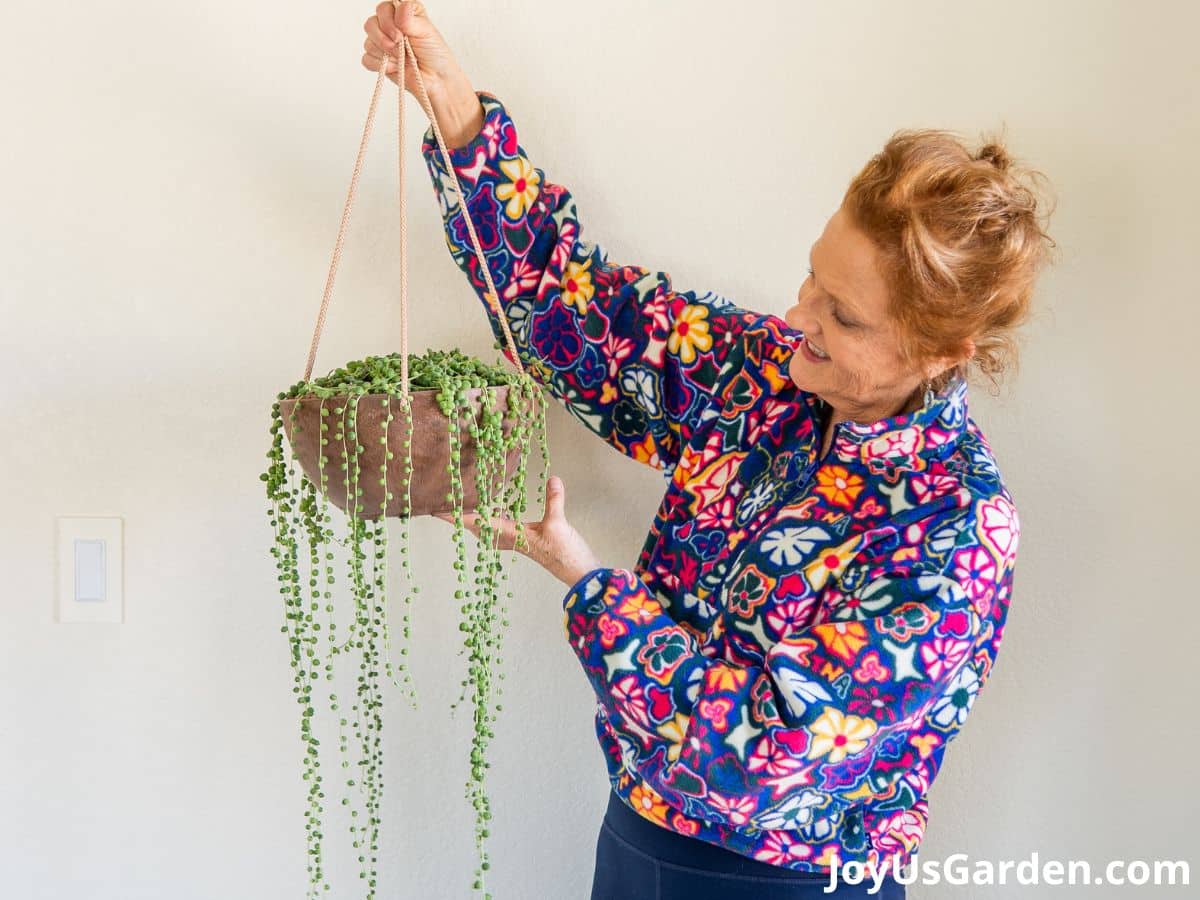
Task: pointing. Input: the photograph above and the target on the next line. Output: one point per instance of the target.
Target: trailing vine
(299, 514)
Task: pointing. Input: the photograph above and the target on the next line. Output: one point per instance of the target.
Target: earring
(929, 395)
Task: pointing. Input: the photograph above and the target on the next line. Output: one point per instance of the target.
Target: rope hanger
(427, 105)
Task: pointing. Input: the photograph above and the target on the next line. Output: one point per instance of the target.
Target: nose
(798, 316)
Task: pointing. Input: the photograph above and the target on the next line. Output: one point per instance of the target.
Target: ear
(949, 362)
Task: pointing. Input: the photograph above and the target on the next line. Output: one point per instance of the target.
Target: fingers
(385, 20)
(377, 43)
(385, 28)
(377, 39)
(504, 530)
(411, 19)
(408, 17)
(372, 63)
(555, 497)
(374, 55)
(504, 525)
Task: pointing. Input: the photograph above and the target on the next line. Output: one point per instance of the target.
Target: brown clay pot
(430, 449)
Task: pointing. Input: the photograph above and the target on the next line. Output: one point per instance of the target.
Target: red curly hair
(961, 243)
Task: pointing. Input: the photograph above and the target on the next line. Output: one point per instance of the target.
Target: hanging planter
(383, 427)
(393, 436)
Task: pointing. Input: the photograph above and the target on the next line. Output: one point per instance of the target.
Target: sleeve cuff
(493, 113)
(584, 589)
(610, 612)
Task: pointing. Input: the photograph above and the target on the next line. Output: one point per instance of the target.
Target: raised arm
(634, 360)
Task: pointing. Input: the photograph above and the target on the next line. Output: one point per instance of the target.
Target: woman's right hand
(439, 69)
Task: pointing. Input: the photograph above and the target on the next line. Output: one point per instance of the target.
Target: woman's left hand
(552, 543)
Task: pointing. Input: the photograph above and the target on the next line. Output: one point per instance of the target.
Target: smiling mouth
(815, 350)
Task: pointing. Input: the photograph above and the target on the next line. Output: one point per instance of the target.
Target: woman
(823, 590)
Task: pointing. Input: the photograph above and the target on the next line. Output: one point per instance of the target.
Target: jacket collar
(908, 441)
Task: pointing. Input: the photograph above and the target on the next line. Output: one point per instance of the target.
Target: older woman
(825, 584)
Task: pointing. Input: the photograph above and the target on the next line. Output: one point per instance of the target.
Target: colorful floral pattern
(800, 639)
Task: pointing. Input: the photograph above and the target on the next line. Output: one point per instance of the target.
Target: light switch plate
(90, 569)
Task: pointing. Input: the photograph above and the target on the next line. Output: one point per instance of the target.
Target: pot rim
(472, 390)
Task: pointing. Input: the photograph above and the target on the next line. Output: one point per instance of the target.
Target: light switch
(90, 569)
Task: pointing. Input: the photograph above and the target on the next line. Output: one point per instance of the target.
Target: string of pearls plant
(300, 515)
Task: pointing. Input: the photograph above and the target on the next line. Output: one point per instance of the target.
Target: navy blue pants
(638, 860)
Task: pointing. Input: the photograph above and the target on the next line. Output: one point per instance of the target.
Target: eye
(843, 322)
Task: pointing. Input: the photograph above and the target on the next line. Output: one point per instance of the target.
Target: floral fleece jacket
(782, 670)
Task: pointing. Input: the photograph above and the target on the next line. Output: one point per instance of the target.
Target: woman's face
(842, 309)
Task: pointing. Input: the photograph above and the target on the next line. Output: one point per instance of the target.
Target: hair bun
(996, 155)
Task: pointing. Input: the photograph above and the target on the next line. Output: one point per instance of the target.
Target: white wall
(173, 176)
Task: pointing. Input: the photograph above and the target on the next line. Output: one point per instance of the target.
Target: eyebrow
(849, 306)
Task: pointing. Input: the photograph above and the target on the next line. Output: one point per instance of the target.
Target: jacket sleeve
(836, 712)
(634, 360)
